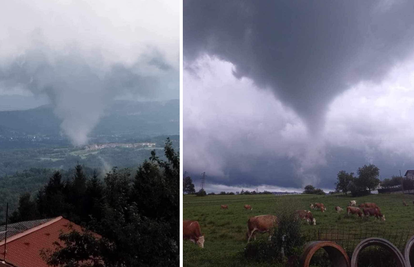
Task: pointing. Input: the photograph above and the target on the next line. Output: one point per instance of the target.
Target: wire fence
(349, 238)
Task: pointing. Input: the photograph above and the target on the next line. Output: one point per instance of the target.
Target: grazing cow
(318, 206)
(338, 209)
(306, 215)
(224, 207)
(261, 224)
(192, 231)
(374, 212)
(369, 205)
(404, 203)
(352, 203)
(354, 210)
(248, 207)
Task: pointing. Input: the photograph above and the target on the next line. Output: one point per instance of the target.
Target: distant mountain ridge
(123, 119)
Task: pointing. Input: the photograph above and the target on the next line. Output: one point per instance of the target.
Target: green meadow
(225, 230)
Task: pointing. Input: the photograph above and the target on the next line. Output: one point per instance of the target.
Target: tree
(394, 181)
(51, 200)
(309, 189)
(188, 186)
(368, 177)
(136, 216)
(343, 181)
(319, 191)
(201, 193)
(94, 198)
(26, 211)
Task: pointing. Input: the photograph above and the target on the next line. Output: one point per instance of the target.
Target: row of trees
(366, 181)
(137, 216)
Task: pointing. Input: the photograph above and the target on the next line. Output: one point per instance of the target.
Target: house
(409, 174)
(25, 240)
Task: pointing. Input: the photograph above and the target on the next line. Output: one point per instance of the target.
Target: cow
(248, 207)
(369, 205)
(338, 209)
(354, 210)
(374, 212)
(192, 232)
(224, 207)
(306, 215)
(318, 206)
(261, 224)
(352, 203)
(404, 203)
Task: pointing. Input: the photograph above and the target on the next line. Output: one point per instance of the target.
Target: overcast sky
(81, 55)
(281, 94)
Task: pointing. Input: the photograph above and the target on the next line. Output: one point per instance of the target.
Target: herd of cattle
(266, 223)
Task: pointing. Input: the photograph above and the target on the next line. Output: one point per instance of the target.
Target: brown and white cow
(352, 203)
(224, 207)
(374, 212)
(248, 207)
(261, 224)
(338, 209)
(192, 231)
(354, 210)
(317, 206)
(369, 205)
(306, 215)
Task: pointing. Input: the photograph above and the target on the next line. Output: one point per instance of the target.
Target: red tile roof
(23, 249)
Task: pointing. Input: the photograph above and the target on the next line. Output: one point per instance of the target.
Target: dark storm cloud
(306, 52)
(280, 171)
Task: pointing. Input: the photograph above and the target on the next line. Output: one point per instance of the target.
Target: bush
(408, 184)
(376, 256)
(310, 189)
(201, 193)
(357, 191)
(286, 244)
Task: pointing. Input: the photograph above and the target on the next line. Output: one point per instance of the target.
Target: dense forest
(27, 170)
(135, 213)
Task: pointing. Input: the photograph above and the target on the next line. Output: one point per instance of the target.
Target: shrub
(201, 193)
(286, 244)
(376, 256)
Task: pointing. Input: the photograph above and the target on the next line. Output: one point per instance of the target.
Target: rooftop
(16, 228)
(25, 240)
(409, 172)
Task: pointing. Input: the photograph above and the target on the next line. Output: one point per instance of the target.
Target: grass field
(225, 230)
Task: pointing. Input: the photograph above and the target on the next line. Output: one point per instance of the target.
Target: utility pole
(203, 179)
(5, 234)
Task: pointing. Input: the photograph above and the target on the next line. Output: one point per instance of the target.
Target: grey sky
(286, 93)
(84, 54)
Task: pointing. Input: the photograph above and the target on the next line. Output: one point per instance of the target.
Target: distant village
(125, 145)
